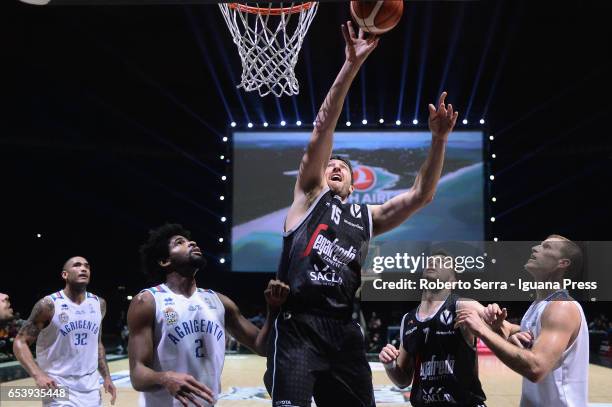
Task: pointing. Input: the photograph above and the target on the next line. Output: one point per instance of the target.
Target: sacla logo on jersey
(436, 395)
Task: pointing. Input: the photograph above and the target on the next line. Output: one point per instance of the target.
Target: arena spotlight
(223, 218)
(298, 123)
(265, 124)
(493, 156)
(491, 138)
(250, 125)
(492, 218)
(364, 121)
(348, 124)
(415, 121)
(222, 157)
(225, 139)
(220, 240)
(482, 121)
(491, 177)
(381, 120)
(223, 178)
(129, 298)
(314, 123)
(283, 122)
(464, 121)
(233, 124)
(495, 239)
(38, 235)
(222, 260)
(398, 122)
(494, 199)
(221, 198)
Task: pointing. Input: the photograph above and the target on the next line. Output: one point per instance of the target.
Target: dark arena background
(118, 118)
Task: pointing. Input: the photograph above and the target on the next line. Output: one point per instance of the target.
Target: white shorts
(77, 399)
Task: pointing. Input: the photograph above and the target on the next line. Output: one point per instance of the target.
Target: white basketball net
(269, 40)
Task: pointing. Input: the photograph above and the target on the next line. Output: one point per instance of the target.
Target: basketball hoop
(269, 40)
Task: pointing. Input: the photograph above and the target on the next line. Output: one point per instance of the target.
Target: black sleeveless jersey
(445, 365)
(322, 257)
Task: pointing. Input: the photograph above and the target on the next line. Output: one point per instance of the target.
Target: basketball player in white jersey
(550, 348)
(6, 312)
(177, 330)
(67, 329)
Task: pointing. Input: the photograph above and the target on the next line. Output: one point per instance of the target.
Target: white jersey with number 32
(67, 349)
(189, 338)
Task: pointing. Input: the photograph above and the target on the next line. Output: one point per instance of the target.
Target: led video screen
(385, 163)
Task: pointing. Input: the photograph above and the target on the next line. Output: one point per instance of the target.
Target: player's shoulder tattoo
(39, 317)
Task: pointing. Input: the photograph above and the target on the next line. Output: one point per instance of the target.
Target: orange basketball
(377, 17)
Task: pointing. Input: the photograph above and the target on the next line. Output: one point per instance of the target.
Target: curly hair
(156, 248)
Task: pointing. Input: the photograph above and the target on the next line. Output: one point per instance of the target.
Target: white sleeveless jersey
(67, 349)
(189, 338)
(567, 384)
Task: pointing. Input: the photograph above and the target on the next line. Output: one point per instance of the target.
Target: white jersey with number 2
(189, 338)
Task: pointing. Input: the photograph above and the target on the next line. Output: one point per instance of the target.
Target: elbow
(535, 374)
(423, 199)
(136, 383)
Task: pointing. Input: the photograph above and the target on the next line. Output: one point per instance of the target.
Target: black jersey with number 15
(323, 255)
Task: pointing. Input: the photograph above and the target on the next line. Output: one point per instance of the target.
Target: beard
(198, 262)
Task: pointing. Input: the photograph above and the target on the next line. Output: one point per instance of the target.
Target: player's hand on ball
(357, 47)
(470, 320)
(442, 119)
(276, 294)
(495, 316)
(522, 339)
(43, 381)
(388, 354)
(186, 389)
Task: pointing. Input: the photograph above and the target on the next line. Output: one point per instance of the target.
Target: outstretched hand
(442, 120)
(357, 47)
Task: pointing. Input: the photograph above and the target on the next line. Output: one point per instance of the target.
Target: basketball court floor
(243, 386)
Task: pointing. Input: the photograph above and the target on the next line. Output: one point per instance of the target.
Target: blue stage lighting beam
(208, 62)
(483, 58)
(423, 58)
(452, 48)
(405, 59)
(229, 68)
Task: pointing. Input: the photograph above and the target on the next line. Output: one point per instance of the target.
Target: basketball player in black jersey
(316, 349)
(439, 359)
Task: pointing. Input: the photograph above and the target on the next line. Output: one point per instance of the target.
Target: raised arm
(310, 179)
(108, 385)
(41, 316)
(396, 210)
(319, 148)
(183, 387)
(560, 324)
(244, 330)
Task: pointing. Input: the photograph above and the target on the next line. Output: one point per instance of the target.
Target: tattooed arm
(41, 316)
(109, 387)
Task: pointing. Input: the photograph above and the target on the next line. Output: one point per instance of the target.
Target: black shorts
(312, 356)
